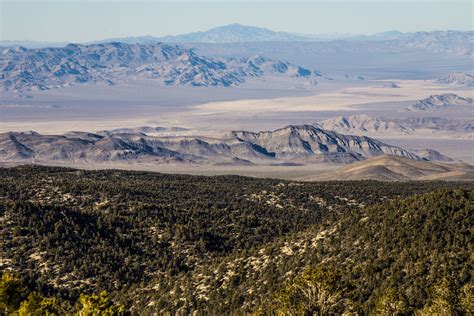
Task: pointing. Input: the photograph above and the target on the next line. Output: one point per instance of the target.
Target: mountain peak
(233, 25)
(235, 33)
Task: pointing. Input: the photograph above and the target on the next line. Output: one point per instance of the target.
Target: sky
(88, 20)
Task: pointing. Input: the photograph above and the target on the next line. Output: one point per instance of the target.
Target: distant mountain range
(362, 55)
(40, 69)
(237, 33)
(294, 144)
(45, 68)
(232, 33)
(145, 130)
(448, 42)
(363, 124)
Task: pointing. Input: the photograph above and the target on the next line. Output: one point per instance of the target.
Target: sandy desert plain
(253, 106)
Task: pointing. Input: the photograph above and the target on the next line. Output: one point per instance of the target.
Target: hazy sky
(85, 20)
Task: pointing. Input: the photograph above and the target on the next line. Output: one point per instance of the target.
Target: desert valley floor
(212, 112)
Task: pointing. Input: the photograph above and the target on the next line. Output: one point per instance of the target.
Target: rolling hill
(390, 168)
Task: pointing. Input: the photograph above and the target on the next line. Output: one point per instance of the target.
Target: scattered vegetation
(177, 243)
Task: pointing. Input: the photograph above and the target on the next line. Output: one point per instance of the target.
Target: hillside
(389, 168)
(182, 244)
(404, 256)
